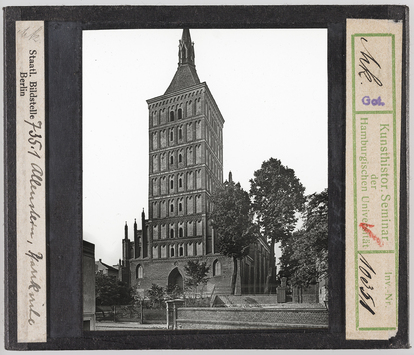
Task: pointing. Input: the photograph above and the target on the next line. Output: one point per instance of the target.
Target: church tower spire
(186, 75)
(186, 49)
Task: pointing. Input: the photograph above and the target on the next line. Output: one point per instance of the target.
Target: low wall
(309, 294)
(237, 318)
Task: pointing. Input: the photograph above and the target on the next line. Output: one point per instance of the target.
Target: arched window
(139, 272)
(216, 268)
(172, 184)
(181, 232)
(180, 133)
(181, 251)
(180, 207)
(180, 158)
(172, 251)
(171, 135)
(180, 113)
(180, 182)
(171, 233)
(171, 160)
(171, 116)
(172, 207)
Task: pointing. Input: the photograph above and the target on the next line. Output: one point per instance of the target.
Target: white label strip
(30, 184)
(373, 130)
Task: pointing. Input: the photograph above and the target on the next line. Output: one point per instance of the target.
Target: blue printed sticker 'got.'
(366, 100)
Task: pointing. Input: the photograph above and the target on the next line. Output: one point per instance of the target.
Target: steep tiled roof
(185, 76)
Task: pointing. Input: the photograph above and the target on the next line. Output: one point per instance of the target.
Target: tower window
(180, 182)
(172, 184)
(172, 251)
(171, 160)
(180, 233)
(139, 272)
(181, 251)
(172, 207)
(171, 233)
(171, 116)
(216, 268)
(180, 207)
(180, 158)
(180, 113)
(171, 135)
(180, 133)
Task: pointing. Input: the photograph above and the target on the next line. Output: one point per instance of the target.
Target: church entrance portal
(175, 278)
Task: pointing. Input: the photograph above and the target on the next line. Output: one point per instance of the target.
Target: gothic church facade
(185, 166)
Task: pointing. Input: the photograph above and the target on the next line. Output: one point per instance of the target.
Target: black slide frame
(63, 38)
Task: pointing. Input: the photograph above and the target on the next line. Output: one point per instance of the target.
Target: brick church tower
(186, 162)
(185, 166)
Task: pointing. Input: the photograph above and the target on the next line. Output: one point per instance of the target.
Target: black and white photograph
(187, 177)
(205, 175)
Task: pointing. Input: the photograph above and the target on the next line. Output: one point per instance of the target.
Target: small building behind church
(105, 269)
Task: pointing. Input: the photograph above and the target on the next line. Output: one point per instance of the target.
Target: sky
(269, 84)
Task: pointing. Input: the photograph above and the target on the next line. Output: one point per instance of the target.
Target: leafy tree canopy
(156, 295)
(109, 291)
(306, 254)
(232, 220)
(277, 196)
(233, 224)
(196, 273)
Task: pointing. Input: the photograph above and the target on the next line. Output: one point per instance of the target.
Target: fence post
(168, 314)
(174, 315)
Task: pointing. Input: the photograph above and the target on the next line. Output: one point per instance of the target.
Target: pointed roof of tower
(186, 74)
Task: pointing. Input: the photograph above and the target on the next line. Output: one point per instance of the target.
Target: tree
(110, 291)
(287, 264)
(277, 197)
(156, 295)
(307, 252)
(173, 292)
(232, 221)
(196, 274)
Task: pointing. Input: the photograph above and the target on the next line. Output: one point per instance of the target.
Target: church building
(185, 166)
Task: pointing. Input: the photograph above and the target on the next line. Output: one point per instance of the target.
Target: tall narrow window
(180, 133)
(181, 232)
(172, 251)
(180, 207)
(139, 272)
(171, 135)
(180, 182)
(180, 113)
(181, 251)
(180, 158)
(171, 233)
(172, 116)
(216, 268)
(171, 160)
